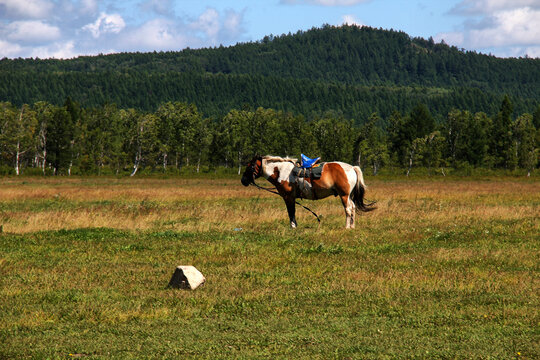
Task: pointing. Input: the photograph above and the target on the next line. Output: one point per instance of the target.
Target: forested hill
(348, 69)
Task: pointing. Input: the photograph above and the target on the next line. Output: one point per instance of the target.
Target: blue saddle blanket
(307, 162)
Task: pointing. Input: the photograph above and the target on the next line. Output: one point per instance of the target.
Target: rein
(275, 192)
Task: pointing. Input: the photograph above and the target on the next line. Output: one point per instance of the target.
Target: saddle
(309, 168)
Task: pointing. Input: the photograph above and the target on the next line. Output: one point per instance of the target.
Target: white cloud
(502, 27)
(106, 23)
(31, 31)
(60, 50)
(351, 20)
(509, 27)
(67, 28)
(532, 51)
(233, 22)
(157, 34)
(26, 9)
(208, 22)
(9, 50)
(218, 27)
(468, 7)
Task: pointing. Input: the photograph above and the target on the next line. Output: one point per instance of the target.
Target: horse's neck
(284, 169)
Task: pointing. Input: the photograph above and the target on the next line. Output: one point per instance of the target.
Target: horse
(337, 178)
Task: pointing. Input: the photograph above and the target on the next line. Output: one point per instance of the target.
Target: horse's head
(253, 170)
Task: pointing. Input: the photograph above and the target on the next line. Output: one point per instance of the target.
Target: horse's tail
(359, 191)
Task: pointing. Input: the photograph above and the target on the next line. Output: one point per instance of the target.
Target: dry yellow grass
(205, 204)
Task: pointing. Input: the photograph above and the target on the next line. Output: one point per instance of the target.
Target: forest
(49, 139)
(370, 96)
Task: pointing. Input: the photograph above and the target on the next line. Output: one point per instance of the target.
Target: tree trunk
(44, 160)
(239, 162)
(17, 156)
(410, 163)
(101, 159)
(137, 161)
(18, 149)
(165, 161)
(135, 168)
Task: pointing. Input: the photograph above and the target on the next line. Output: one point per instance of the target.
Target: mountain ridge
(340, 58)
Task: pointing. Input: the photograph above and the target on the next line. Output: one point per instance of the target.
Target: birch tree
(143, 139)
(44, 112)
(201, 140)
(373, 149)
(414, 152)
(17, 133)
(432, 150)
(239, 138)
(103, 138)
(335, 138)
(177, 126)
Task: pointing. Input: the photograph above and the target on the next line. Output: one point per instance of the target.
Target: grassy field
(445, 268)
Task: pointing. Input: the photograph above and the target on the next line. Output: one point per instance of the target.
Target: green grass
(392, 288)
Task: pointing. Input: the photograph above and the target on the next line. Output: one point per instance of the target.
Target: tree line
(43, 138)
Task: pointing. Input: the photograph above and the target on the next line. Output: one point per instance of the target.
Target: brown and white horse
(337, 178)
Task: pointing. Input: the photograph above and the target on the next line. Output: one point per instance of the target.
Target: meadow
(444, 268)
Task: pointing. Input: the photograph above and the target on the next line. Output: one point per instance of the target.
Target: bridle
(255, 170)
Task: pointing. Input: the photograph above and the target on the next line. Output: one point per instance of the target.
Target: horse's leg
(291, 209)
(353, 212)
(349, 210)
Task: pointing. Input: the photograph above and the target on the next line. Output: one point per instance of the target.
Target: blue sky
(69, 28)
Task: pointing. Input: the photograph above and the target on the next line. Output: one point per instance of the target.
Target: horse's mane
(270, 158)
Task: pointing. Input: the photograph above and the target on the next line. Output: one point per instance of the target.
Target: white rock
(186, 277)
